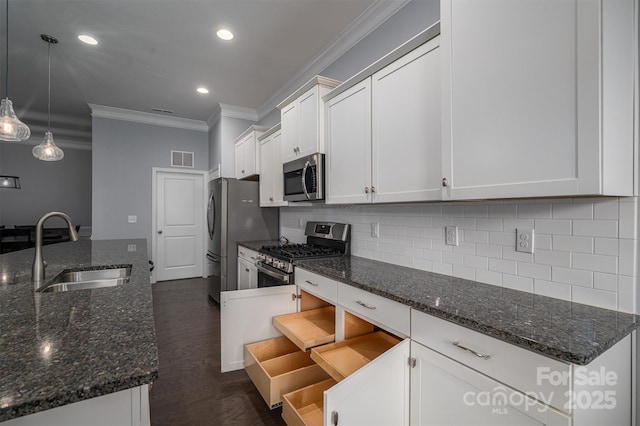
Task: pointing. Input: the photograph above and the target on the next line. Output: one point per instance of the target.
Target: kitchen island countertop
(559, 329)
(61, 348)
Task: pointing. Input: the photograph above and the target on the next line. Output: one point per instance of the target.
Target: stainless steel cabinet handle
(366, 189)
(159, 232)
(361, 303)
(373, 189)
(445, 182)
(313, 284)
(478, 354)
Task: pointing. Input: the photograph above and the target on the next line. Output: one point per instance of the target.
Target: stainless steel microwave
(304, 178)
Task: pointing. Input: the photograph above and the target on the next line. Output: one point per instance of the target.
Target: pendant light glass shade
(11, 128)
(48, 150)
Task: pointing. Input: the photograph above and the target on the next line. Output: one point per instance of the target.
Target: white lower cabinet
(247, 275)
(445, 392)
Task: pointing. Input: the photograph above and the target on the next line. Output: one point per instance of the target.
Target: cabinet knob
(373, 189)
(246, 269)
(366, 189)
(445, 182)
(270, 198)
(159, 232)
(242, 171)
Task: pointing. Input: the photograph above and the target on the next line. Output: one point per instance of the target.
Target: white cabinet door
(308, 125)
(239, 152)
(375, 395)
(406, 155)
(245, 317)
(249, 153)
(271, 184)
(348, 160)
(445, 392)
(289, 118)
(247, 275)
(526, 110)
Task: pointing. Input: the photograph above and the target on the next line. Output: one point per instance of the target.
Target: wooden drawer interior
(308, 328)
(277, 366)
(343, 358)
(305, 407)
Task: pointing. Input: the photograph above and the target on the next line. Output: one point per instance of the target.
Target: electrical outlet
(451, 235)
(132, 219)
(375, 229)
(524, 240)
(131, 247)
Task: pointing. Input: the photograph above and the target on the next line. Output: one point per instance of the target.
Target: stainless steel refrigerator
(234, 214)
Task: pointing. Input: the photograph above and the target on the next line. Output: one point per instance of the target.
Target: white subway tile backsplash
(572, 276)
(573, 211)
(585, 248)
(516, 282)
(553, 226)
(505, 266)
(489, 277)
(596, 228)
(595, 262)
(603, 281)
(552, 289)
(594, 297)
(532, 270)
(573, 244)
(554, 258)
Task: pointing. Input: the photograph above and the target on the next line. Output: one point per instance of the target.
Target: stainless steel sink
(89, 278)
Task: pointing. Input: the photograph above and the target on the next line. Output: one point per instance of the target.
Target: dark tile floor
(190, 389)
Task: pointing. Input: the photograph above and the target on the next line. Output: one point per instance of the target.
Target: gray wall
(46, 186)
(123, 155)
(221, 143)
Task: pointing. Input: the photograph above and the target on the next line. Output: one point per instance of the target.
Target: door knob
(159, 232)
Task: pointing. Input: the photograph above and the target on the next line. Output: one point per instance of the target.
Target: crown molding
(233, 111)
(361, 27)
(113, 113)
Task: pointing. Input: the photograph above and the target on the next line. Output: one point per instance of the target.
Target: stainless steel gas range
(324, 239)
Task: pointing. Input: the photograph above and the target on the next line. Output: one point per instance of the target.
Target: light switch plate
(524, 240)
(132, 219)
(451, 235)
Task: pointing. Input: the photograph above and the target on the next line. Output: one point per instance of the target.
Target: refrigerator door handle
(211, 215)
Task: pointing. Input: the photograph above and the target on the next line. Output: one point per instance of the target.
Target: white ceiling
(154, 53)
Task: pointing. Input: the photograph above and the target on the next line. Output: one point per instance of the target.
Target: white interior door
(179, 229)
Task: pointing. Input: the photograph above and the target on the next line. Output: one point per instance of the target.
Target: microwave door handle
(304, 181)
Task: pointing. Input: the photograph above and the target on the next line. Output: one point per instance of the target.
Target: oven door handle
(261, 267)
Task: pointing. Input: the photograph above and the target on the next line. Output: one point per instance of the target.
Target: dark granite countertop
(60, 348)
(555, 328)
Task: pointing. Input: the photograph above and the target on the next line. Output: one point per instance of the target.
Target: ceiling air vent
(181, 159)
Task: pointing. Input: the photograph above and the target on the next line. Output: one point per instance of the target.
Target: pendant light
(48, 150)
(11, 128)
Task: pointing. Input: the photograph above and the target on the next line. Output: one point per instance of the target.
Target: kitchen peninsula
(82, 355)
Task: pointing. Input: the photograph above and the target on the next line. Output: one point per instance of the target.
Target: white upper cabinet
(247, 151)
(383, 133)
(302, 116)
(271, 180)
(537, 98)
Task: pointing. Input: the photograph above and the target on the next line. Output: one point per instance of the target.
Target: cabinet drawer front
(317, 285)
(519, 368)
(247, 254)
(379, 310)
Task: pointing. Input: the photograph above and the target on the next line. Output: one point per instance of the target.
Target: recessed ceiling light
(87, 39)
(224, 34)
(202, 90)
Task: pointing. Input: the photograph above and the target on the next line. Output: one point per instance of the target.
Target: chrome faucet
(37, 270)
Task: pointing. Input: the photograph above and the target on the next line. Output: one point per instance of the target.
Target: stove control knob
(261, 257)
(279, 265)
(269, 261)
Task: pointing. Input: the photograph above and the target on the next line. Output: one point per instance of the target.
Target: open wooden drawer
(343, 358)
(315, 327)
(277, 366)
(305, 406)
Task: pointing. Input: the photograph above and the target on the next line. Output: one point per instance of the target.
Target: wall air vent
(181, 159)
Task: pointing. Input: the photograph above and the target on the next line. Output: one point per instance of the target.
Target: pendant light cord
(49, 91)
(6, 72)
